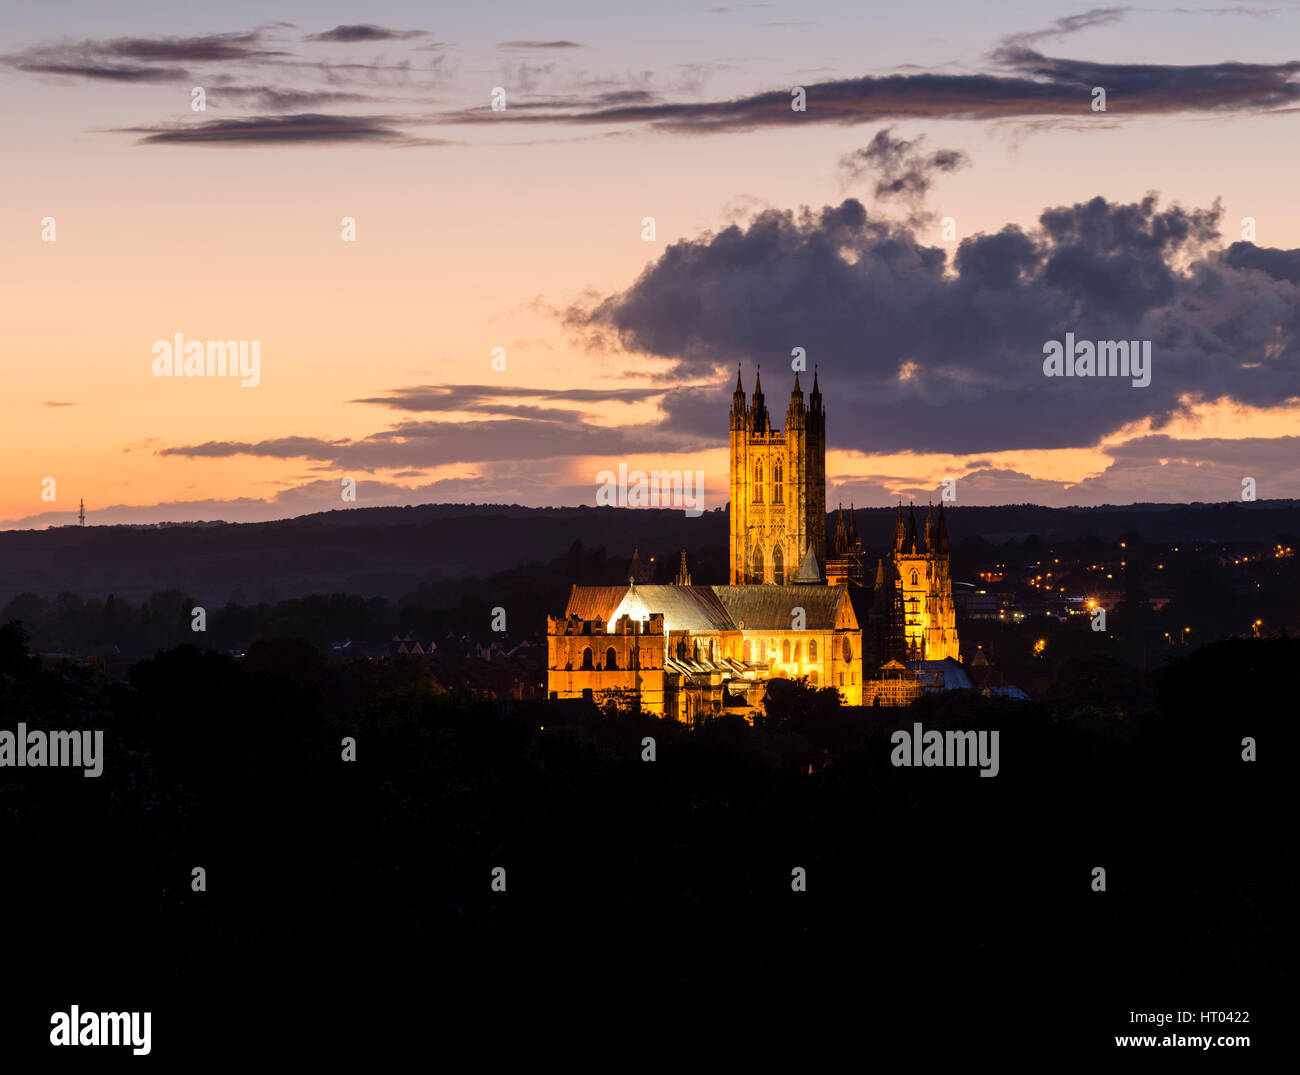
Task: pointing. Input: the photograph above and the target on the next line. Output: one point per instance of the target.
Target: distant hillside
(390, 551)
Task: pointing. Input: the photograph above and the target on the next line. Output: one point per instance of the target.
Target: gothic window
(797, 648)
(778, 566)
(812, 651)
(586, 659)
(913, 576)
(785, 651)
(778, 477)
(611, 660)
(758, 481)
(848, 650)
(756, 565)
(748, 651)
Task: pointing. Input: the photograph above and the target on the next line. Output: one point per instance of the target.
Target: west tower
(923, 582)
(778, 486)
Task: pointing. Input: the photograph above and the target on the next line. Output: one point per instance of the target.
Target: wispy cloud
(362, 32)
(142, 59)
(1069, 24)
(539, 45)
(1041, 86)
(306, 128)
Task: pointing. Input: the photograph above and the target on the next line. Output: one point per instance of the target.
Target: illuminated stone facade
(593, 656)
(922, 572)
(778, 486)
(717, 645)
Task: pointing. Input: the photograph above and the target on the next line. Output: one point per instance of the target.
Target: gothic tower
(923, 578)
(778, 485)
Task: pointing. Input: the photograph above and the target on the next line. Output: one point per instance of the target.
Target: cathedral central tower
(778, 486)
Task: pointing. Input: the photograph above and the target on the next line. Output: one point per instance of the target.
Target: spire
(853, 526)
(683, 576)
(759, 422)
(738, 403)
(900, 529)
(943, 530)
(841, 535)
(910, 540)
(815, 398)
(929, 528)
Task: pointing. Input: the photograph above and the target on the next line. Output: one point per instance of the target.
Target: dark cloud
(307, 128)
(427, 444)
(1041, 87)
(365, 32)
(478, 397)
(899, 168)
(104, 73)
(539, 45)
(278, 99)
(1279, 264)
(142, 59)
(915, 350)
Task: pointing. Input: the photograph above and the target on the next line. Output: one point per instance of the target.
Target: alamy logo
(952, 748)
(1107, 358)
(209, 358)
(656, 489)
(75, 1027)
(38, 749)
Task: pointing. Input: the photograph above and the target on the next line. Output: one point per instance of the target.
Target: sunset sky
(522, 229)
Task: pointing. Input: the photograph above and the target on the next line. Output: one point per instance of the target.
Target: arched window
(913, 576)
(797, 647)
(758, 481)
(848, 649)
(778, 566)
(748, 651)
(778, 478)
(586, 659)
(785, 651)
(756, 565)
(812, 650)
(611, 660)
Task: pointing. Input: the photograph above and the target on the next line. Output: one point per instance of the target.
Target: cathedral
(793, 609)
